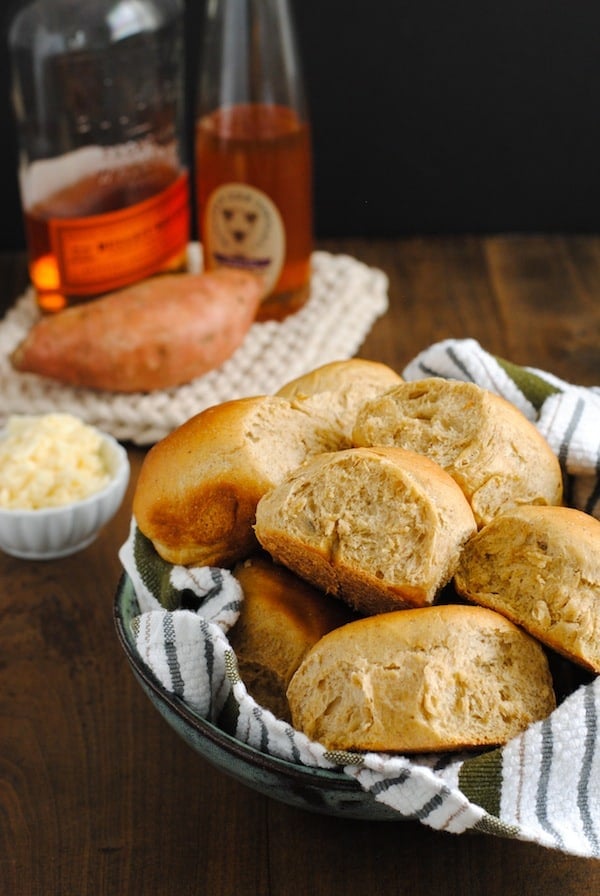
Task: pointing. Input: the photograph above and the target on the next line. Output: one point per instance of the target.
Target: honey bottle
(98, 94)
(253, 159)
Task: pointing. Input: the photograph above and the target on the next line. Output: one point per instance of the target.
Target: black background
(428, 116)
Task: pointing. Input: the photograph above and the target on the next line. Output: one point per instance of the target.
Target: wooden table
(99, 796)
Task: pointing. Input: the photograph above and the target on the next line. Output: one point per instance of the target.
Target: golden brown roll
(540, 567)
(381, 528)
(431, 679)
(281, 618)
(486, 444)
(336, 391)
(198, 488)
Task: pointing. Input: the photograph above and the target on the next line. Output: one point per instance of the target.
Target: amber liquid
(267, 147)
(94, 194)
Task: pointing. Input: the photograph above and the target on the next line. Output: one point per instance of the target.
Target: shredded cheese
(49, 461)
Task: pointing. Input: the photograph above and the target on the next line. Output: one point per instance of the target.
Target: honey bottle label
(244, 229)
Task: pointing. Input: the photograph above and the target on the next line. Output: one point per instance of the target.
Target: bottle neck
(250, 56)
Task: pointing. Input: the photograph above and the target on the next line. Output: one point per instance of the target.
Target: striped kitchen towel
(180, 630)
(542, 787)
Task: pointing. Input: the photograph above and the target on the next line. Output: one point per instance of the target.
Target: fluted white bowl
(52, 532)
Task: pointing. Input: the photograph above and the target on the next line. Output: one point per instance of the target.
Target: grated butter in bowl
(61, 480)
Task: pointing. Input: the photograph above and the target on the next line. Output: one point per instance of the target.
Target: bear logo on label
(244, 229)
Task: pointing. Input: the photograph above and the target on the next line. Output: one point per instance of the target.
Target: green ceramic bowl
(318, 790)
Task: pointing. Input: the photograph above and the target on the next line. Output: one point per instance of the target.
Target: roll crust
(337, 390)
(540, 567)
(431, 679)
(198, 488)
(281, 618)
(381, 528)
(486, 444)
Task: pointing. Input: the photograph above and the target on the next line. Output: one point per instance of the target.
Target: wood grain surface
(98, 796)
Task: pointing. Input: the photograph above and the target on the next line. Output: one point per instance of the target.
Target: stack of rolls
(408, 568)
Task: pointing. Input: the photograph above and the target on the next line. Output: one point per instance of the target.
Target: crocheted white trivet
(346, 298)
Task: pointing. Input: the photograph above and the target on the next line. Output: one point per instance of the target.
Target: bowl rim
(302, 773)
(119, 475)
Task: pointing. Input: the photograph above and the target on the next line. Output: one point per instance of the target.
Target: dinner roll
(336, 390)
(488, 446)
(431, 679)
(380, 528)
(540, 567)
(281, 617)
(198, 488)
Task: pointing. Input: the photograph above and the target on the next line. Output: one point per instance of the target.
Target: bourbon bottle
(98, 97)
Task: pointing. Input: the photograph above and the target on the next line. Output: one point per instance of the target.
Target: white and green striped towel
(543, 787)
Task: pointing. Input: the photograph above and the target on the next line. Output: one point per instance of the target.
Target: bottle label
(244, 229)
(100, 253)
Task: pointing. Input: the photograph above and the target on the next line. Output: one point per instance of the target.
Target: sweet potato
(161, 332)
